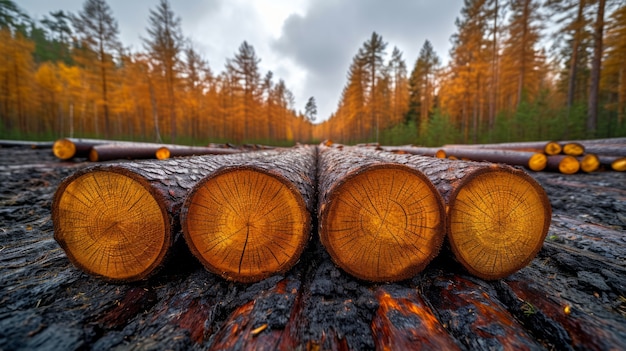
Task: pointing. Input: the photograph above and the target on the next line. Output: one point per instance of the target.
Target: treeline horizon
(68, 75)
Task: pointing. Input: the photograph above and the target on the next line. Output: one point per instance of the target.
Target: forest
(68, 75)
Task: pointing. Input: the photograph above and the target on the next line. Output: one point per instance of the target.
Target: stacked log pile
(571, 296)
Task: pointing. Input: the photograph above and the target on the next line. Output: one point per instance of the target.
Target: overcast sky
(308, 43)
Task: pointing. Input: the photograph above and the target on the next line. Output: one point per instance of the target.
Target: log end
(93, 155)
(498, 219)
(552, 148)
(383, 222)
(537, 162)
(619, 165)
(245, 223)
(441, 153)
(163, 153)
(573, 149)
(110, 224)
(589, 163)
(569, 165)
(64, 149)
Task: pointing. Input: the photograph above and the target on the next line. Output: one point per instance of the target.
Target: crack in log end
(498, 220)
(110, 224)
(383, 222)
(245, 223)
(403, 321)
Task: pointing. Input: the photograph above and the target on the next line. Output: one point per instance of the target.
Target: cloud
(324, 40)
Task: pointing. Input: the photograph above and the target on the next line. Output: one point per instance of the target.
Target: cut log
(547, 147)
(30, 144)
(127, 151)
(535, 161)
(250, 220)
(263, 323)
(563, 163)
(415, 150)
(169, 151)
(615, 163)
(472, 313)
(379, 220)
(573, 149)
(68, 148)
(404, 321)
(498, 216)
(589, 163)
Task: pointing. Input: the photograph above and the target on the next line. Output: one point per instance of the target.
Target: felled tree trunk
(379, 220)
(404, 321)
(125, 151)
(535, 161)
(416, 150)
(68, 148)
(252, 218)
(547, 147)
(497, 218)
(615, 163)
(170, 151)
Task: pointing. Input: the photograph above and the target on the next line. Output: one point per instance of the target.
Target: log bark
(30, 144)
(404, 321)
(415, 150)
(379, 220)
(251, 219)
(534, 161)
(68, 148)
(615, 163)
(125, 151)
(497, 215)
(264, 323)
(618, 150)
(563, 163)
(547, 147)
(472, 314)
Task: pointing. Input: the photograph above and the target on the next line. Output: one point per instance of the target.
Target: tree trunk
(474, 315)
(416, 150)
(596, 67)
(535, 161)
(404, 321)
(252, 218)
(547, 147)
(497, 217)
(615, 163)
(379, 220)
(169, 151)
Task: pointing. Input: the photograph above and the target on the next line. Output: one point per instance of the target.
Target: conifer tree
(98, 32)
(164, 45)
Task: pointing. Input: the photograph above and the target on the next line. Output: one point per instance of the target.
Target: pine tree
(596, 67)
(373, 53)
(164, 45)
(422, 87)
(244, 70)
(310, 109)
(98, 32)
